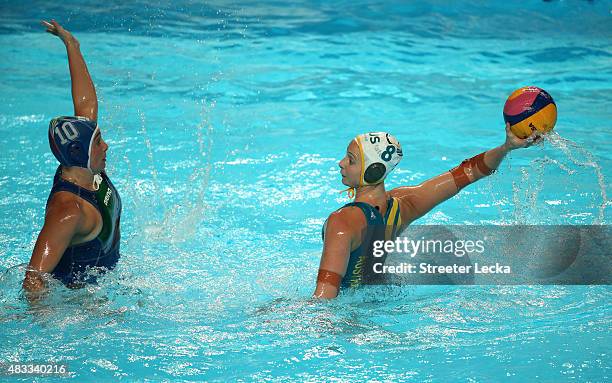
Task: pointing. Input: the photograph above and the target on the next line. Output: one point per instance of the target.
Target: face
(350, 166)
(97, 159)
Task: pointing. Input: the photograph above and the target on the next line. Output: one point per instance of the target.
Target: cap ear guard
(380, 153)
(76, 153)
(374, 173)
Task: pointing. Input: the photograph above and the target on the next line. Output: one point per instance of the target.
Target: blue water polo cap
(70, 139)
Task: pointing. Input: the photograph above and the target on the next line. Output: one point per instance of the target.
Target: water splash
(181, 220)
(581, 157)
(567, 161)
(525, 194)
(150, 157)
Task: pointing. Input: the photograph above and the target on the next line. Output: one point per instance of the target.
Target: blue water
(226, 122)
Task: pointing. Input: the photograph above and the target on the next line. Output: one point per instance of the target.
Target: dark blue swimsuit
(359, 269)
(102, 252)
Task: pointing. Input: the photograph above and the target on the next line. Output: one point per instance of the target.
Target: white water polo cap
(380, 153)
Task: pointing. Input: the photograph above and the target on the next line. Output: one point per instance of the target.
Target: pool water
(226, 123)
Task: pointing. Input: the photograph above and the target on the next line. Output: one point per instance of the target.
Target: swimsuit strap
(60, 184)
(371, 214)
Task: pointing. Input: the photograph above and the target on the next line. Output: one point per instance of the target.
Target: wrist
(71, 42)
(505, 148)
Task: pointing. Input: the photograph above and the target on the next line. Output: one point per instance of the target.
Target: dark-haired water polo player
(81, 229)
(377, 214)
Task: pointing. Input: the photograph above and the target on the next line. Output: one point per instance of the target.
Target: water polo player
(376, 214)
(81, 229)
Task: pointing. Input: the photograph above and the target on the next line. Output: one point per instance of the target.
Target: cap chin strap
(97, 181)
(97, 177)
(351, 191)
(89, 148)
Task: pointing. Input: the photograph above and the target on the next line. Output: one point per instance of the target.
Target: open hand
(55, 29)
(514, 142)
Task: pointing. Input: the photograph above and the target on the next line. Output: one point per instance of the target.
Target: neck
(80, 176)
(373, 194)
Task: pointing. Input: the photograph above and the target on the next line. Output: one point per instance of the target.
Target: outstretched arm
(83, 91)
(418, 200)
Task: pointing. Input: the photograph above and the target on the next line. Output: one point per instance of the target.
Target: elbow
(87, 108)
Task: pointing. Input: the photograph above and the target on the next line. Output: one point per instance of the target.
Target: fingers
(534, 138)
(527, 142)
(47, 25)
(538, 139)
(53, 27)
(510, 133)
(50, 27)
(534, 135)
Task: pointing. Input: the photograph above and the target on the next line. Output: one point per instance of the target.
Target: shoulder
(346, 218)
(64, 206)
(343, 226)
(405, 195)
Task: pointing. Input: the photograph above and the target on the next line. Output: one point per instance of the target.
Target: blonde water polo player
(375, 214)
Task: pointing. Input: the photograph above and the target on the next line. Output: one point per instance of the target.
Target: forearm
(479, 166)
(492, 159)
(84, 95)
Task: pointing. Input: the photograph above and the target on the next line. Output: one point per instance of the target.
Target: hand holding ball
(530, 109)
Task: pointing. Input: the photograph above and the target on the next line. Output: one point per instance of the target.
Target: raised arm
(418, 200)
(83, 91)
